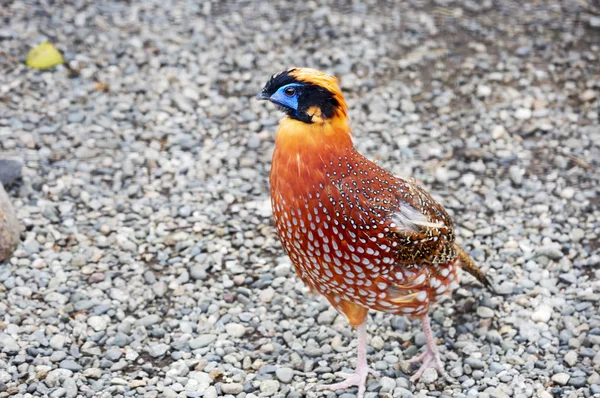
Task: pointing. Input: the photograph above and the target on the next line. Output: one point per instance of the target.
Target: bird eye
(290, 91)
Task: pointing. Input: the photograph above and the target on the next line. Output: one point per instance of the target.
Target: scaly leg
(430, 358)
(362, 369)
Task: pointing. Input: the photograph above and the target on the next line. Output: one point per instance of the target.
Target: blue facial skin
(289, 101)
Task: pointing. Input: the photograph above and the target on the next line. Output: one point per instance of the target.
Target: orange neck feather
(294, 136)
(302, 150)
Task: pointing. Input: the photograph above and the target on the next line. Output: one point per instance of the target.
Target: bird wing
(402, 211)
(422, 228)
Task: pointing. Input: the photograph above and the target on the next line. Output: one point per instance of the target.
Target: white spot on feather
(409, 219)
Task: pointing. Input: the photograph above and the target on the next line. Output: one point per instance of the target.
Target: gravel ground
(149, 264)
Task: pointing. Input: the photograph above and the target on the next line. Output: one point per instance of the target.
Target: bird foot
(428, 359)
(352, 379)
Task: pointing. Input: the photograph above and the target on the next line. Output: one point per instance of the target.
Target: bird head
(306, 95)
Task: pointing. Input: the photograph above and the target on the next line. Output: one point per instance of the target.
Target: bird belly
(328, 254)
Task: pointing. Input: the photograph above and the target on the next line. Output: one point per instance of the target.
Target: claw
(417, 359)
(430, 358)
(373, 372)
(362, 369)
(352, 379)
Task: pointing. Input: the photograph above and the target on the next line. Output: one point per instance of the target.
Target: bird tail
(469, 265)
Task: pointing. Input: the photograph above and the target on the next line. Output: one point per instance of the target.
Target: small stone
(211, 392)
(377, 342)
(232, 388)
(542, 314)
(407, 106)
(387, 384)
(430, 375)
(567, 193)
(183, 104)
(158, 350)
(516, 174)
(235, 329)
(474, 363)
(70, 365)
(137, 383)
(498, 132)
(93, 373)
(10, 171)
(266, 296)
(484, 91)
(8, 344)
(523, 114)
(70, 387)
(571, 358)
(561, 379)
(326, 317)
(494, 337)
(588, 95)
(456, 372)
(76, 117)
(269, 387)
(58, 393)
(420, 339)
(485, 312)
(577, 234)
(113, 354)
(202, 341)
(98, 322)
(149, 320)
(202, 378)
(442, 175)
(544, 394)
(198, 272)
(284, 375)
(58, 341)
(283, 269)
(58, 356)
(117, 381)
(578, 381)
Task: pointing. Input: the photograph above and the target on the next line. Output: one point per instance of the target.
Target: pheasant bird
(355, 233)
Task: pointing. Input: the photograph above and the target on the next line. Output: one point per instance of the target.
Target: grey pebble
(232, 388)
(149, 320)
(158, 349)
(202, 341)
(113, 354)
(70, 365)
(10, 171)
(284, 375)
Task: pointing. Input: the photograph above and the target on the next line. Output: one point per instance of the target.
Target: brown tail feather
(469, 266)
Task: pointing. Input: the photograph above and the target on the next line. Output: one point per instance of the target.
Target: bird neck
(322, 139)
(303, 151)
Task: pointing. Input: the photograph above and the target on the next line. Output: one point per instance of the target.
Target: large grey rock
(9, 227)
(10, 170)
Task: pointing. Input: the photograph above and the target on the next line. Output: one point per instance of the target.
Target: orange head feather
(316, 115)
(328, 82)
(307, 95)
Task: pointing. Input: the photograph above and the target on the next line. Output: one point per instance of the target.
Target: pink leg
(362, 369)
(430, 358)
